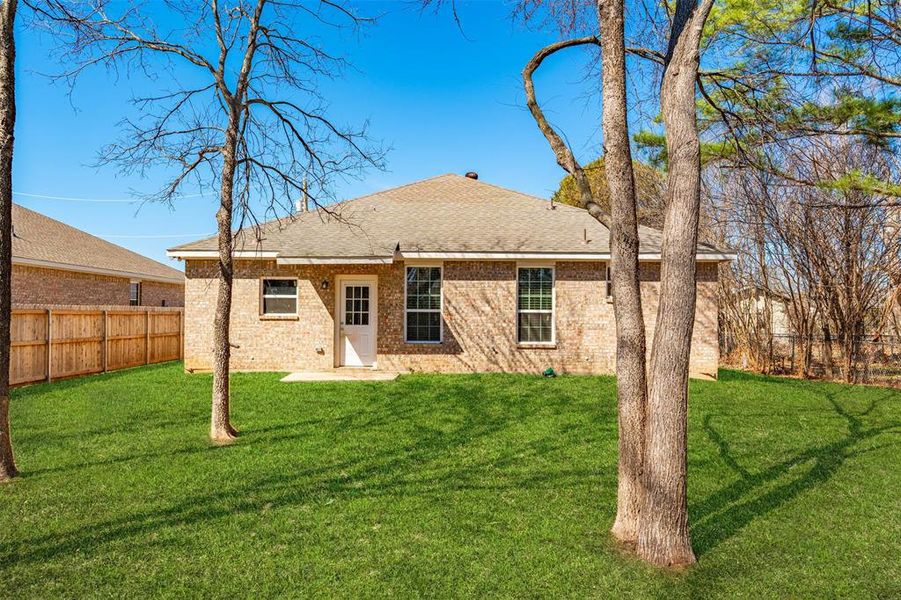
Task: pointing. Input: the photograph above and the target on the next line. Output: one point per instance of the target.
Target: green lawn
(481, 485)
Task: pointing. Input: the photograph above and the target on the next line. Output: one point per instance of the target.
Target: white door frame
(340, 280)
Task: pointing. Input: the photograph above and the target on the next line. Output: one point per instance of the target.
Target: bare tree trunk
(828, 362)
(803, 355)
(7, 125)
(267, 143)
(221, 429)
(663, 537)
(631, 380)
(848, 356)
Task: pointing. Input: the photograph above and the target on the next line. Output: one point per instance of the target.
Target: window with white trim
(535, 305)
(279, 297)
(356, 304)
(423, 305)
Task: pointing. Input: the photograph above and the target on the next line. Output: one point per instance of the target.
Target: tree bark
(828, 362)
(221, 429)
(631, 383)
(663, 537)
(565, 157)
(622, 223)
(848, 359)
(7, 125)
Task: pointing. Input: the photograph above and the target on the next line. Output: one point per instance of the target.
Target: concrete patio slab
(338, 375)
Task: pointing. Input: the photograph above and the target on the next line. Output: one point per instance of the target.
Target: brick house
(448, 274)
(55, 264)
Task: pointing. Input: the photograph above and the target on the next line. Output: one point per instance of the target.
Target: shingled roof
(448, 216)
(45, 242)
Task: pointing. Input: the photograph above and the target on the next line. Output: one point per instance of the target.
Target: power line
(117, 235)
(103, 200)
(152, 237)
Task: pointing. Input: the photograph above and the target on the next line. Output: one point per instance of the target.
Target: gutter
(202, 254)
(573, 256)
(474, 256)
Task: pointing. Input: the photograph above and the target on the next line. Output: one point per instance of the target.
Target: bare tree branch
(565, 157)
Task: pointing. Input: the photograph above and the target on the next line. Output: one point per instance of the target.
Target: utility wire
(152, 237)
(104, 200)
(117, 200)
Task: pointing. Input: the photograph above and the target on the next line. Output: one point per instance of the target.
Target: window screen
(535, 305)
(423, 304)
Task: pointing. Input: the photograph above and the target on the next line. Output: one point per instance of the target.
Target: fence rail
(872, 359)
(55, 343)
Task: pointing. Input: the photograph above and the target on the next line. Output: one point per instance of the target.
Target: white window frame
(553, 311)
(140, 288)
(263, 296)
(440, 310)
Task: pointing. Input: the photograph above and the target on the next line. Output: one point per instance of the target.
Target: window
(535, 305)
(134, 293)
(423, 308)
(356, 305)
(608, 284)
(279, 296)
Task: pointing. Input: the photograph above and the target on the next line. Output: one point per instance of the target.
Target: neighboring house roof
(449, 216)
(41, 241)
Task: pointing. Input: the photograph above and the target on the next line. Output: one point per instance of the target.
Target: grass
(437, 486)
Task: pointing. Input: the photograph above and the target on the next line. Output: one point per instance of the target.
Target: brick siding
(40, 286)
(479, 319)
(154, 292)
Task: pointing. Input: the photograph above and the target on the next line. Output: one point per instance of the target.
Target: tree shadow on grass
(422, 466)
(73, 384)
(726, 512)
(118, 460)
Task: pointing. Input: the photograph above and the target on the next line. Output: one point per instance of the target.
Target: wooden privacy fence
(53, 343)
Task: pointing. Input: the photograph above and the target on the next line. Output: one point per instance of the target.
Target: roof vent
(472, 175)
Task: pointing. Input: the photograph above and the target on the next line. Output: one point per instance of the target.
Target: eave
(407, 255)
(47, 264)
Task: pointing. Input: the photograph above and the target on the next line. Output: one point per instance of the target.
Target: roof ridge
(398, 187)
(506, 189)
(531, 196)
(388, 190)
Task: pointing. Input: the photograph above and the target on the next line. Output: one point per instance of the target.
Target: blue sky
(441, 100)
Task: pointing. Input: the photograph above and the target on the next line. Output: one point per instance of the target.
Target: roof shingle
(40, 239)
(448, 213)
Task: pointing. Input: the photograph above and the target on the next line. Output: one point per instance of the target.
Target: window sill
(423, 343)
(279, 317)
(537, 345)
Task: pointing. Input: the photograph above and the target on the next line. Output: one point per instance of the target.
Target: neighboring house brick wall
(154, 292)
(479, 319)
(37, 285)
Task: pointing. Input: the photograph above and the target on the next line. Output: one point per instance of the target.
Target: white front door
(356, 332)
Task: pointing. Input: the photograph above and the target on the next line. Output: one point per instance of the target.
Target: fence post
(181, 334)
(49, 343)
(105, 343)
(147, 336)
